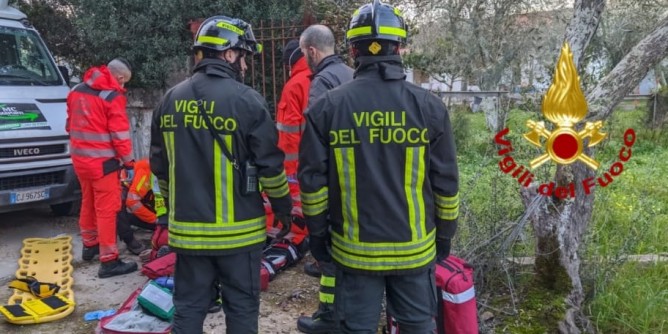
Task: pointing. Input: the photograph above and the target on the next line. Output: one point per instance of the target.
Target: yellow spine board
(48, 260)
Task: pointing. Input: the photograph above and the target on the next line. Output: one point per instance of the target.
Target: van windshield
(24, 61)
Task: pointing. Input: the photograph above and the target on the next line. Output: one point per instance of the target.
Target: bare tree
(487, 43)
(477, 38)
(560, 224)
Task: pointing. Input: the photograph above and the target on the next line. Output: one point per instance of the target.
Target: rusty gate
(266, 72)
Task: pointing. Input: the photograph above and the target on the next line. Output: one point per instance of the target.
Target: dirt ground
(289, 295)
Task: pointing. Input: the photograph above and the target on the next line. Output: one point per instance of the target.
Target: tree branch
(583, 25)
(628, 73)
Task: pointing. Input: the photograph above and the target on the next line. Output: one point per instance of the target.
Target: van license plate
(29, 195)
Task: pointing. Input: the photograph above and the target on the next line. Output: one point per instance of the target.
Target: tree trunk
(560, 224)
(583, 26)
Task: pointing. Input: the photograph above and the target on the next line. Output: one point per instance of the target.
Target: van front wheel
(66, 209)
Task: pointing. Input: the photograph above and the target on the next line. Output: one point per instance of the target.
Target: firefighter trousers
(100, 202)
(411, 299)
(239, 276)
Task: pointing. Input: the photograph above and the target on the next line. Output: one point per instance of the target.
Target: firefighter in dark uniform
(216, 223)
(379, 179)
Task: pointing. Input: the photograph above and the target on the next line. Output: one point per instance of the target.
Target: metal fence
(266, 72)
(473, 99)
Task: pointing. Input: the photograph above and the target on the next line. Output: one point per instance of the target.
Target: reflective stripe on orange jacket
(97, 123)
(140, 188)
(290, 115)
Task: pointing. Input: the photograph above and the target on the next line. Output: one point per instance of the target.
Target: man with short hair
(318, 45)
(100, 146)
(385, 189)
(329, 71)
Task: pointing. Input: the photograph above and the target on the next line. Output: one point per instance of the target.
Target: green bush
(461, 128)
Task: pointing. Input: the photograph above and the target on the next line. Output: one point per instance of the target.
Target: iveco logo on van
(21, 152)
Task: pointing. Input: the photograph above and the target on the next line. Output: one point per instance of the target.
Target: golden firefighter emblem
(564, 105)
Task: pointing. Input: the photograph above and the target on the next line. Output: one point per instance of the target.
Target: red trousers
(100, 202)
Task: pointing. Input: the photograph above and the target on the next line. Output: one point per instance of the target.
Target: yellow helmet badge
(564, 105)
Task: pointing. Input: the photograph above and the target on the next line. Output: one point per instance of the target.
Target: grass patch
(635, 301)
(630, 216)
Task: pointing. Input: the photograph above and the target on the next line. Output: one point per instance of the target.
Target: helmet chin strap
(236, 66)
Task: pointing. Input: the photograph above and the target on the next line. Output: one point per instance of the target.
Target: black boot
(216, 304)
(312, 269)
(115, 268)
(323, 321)
(88, 253)
(135, 247)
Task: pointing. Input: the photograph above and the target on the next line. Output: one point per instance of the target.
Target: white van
(35, 164)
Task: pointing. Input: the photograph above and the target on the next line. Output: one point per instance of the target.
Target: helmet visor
(250, 42)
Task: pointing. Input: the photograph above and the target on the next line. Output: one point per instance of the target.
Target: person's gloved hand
(286, 224)
(320, 248)
(129, 170)
(442, 249)
(163, 220)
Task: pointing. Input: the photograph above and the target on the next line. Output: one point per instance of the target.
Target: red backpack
(162, 260)
(457, 310)
(277, 257)
(162, 266)
(131, 319)
(159, 241)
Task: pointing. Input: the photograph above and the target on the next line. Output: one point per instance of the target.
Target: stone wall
(141, 103)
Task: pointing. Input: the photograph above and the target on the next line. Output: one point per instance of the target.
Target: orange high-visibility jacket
(97, 123)
(290, 116)
(140, 195)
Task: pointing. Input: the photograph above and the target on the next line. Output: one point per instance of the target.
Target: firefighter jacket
(144, 198)
(330, 73)
(377, 163)
(98, 125)
(208, 212)
(290, 115)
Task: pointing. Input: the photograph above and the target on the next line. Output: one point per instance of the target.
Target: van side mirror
(65, 73)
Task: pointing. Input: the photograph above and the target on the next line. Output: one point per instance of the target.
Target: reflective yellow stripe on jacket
(377, 256)
(224, 233)
(352, 252)
(413, 183)
(275, 186)
(447, 207)
(345, 167)
(315, 203)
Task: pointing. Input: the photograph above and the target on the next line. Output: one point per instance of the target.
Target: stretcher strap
(32, 285)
